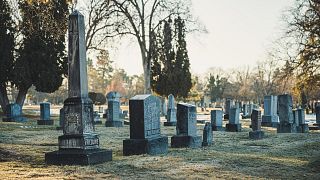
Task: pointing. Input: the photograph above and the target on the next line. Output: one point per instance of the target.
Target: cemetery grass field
(232, 156)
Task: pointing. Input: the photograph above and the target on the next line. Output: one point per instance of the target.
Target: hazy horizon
(240, 34)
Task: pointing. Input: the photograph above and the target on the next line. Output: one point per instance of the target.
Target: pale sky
(240, 33)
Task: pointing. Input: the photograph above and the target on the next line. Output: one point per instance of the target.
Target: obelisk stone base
(179, 141)
(78, 157)
(152, 146)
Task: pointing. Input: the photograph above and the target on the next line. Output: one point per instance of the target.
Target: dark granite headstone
(256, 132)
(270, 117)
(45, 114)
(216, 120)
(14, 113)
(285, 113)
(79, 144)
(171, 113)
(234, 122)
(186, 127)
(207, 135)
(113, 117)
(145, 137)
(227, 107)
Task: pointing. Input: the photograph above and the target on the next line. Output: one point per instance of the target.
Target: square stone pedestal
(45, 122)
(233, 127)
(78, 157)
(170, 123)
(152, 146)
(114, 123)
(256, 134)
(217, 128)
(186, 141)
(284, 127)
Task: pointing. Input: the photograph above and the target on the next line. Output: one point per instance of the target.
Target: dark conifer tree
(42, 58)
(170, 67)
(7, 44)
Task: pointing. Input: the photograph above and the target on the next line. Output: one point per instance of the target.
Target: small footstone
(256, 134)
(170, 123)
(185, 141)
(218, 128)
(78, 157)
(233, 127)
(45, 122)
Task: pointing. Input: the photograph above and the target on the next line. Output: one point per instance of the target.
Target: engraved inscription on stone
(91, 142)
(88, 127)
(192, 122)
(72, 123)
(70, 143)
(152, 123)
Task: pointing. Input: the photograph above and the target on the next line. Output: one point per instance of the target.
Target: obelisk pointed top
(78, 81)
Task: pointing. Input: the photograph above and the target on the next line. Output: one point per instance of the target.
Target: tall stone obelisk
(79, 144)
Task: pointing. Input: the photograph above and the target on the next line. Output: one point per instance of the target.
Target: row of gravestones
(145, 136)
(278, 113)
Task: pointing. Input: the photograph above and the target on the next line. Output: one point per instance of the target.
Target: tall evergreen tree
(170, 67)
(182, 64)
(41, 58)
(6, 50)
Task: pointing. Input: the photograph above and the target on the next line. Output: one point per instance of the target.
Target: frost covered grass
(232, 156)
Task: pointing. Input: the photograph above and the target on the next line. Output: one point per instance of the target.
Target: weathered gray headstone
(113, 117)
(256, 132)
(186, 127)
(14, 113)
(171, 114)
(285, 113)
(79, 144)
(45, 114)
(216, 120)
(302, 127)
(207, 135)
(228, 105)
(270, 117)
(164, 108)
(244, 111)
(234, 121)
(145, 137)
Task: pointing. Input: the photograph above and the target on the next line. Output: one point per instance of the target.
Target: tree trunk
(4, 100)
(21, 96)
(147, 74)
